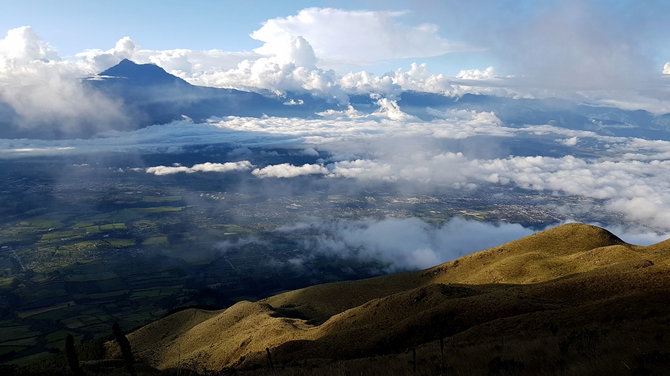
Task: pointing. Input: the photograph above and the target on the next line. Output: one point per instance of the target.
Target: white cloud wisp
(200, 167)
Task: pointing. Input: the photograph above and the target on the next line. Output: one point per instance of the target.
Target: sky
(600, 51)
(512, 36)
(612, 53)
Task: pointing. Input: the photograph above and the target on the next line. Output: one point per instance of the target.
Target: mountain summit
(155, 96)
(141, 74)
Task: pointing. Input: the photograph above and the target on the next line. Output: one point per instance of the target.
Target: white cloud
(287, 170)
(572, 141)
(98, 60)
(629, 175)
(200, 167)
(44, 90)
(290, 49)
(636, 235)
(286, 62)
(311, 152)
(21, 46)
(351, 126)
(363, 169)
(411, 243)
(476, 74)
(637, 189)
(405, 243)
(353, 36)
(666, 68)
(419, 78)
(390, 109)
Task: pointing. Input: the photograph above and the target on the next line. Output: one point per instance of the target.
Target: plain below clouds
(630, 175)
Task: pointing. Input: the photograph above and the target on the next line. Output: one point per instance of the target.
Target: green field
(155, 240)
(63, 275)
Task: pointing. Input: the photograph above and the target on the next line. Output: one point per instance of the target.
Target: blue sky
(520, 37)
(72, 26)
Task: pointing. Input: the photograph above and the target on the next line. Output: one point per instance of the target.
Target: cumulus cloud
(97, 60)
(666, 68)
(629, 175)
(297, 50)
(572, 141)
(290, 49)
(44, 92)
(289, 60)
(352, 126)
(286, 62)
(21, 46)
(200, 167)
(353, 36)
(287, 170)
(637, 189)
(390, 109)
(476, 74)
(271, 75)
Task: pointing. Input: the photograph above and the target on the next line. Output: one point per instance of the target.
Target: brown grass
(570, 300)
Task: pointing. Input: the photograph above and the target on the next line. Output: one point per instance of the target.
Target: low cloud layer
(628, 174)
(201, 167)
(287, 170)
(411, 243)
(405, 243)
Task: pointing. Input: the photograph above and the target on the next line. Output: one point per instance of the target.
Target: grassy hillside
(574, 299)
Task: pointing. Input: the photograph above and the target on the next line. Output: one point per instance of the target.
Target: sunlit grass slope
(569, 297)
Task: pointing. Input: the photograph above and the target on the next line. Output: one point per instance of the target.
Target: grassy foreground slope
(574, 299)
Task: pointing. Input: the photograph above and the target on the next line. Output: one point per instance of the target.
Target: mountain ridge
(147, 95)
(563, 270)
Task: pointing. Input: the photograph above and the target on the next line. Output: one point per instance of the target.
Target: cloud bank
(411, 243)
(200, 167)
(405, 243)
(287, 170)
(628, 174)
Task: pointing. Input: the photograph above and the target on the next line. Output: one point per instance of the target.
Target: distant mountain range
(156, 97)
(609, 121)
(550, 303)
(149, 95)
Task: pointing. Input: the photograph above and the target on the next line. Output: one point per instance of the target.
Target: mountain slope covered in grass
(574, 299)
